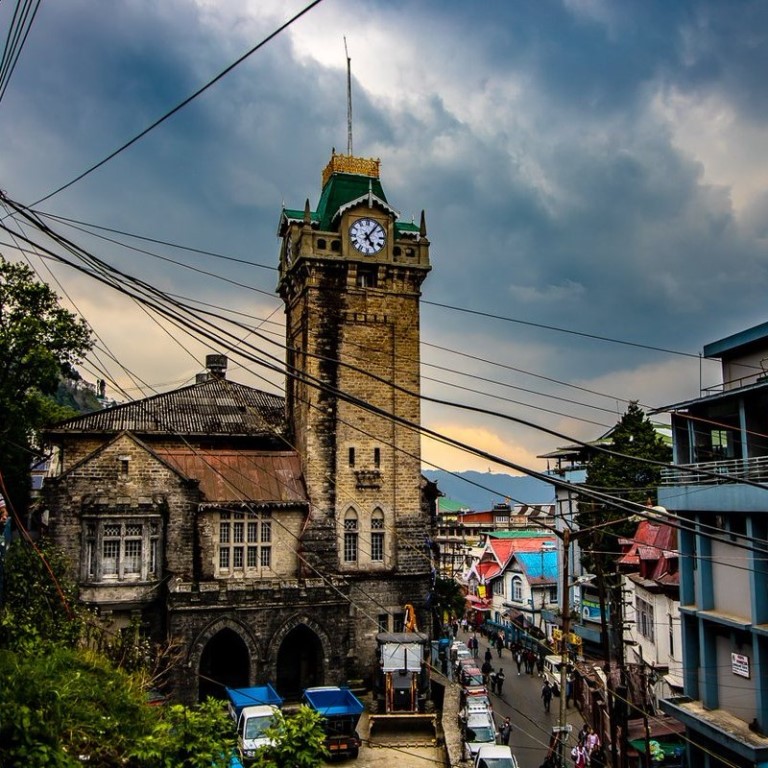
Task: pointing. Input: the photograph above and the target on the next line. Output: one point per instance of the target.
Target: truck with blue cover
(341, 711)
(253, 710)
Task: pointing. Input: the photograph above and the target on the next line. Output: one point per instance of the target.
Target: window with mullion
(120, 550)
(350, 537)
(242, 540)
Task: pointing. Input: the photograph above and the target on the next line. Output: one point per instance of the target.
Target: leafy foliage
(298, 742)
(39, 342)
(447, 599)
(61, 703)
(39, 602)
(202, 737)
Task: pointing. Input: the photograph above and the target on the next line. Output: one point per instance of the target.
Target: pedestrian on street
(591, 743)
(546, 695)
(486, 669)
(505, 731)
(492, 680)
(579, 755)
(488, 655)
(499, 681)
(472, 645)
(530, 661)
(499, 642)
(519, 661)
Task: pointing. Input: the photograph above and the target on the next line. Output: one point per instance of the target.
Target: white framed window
(644, 618)
(377, 536)
(121, 549)
(351, 534)
(498, 587)
(244, 542)
(517, 589)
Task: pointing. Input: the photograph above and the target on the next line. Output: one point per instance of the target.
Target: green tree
(39, 342)
(447, 599)
(39, 603)
(298, 741)
(184, 737)
(64, 707)
(60, 703)
(631, 471)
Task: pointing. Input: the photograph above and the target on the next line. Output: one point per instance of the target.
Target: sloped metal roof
(213, 407)
(227, 476)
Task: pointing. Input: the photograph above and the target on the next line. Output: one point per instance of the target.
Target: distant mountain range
(481, 490)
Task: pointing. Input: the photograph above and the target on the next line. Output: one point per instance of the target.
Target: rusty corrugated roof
(247, 476)
(213, 407)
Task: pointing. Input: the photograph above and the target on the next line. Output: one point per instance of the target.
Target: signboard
(590, 610)
(740, 665)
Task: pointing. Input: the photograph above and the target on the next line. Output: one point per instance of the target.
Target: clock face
(367, 236)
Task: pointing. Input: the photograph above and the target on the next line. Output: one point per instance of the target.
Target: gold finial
(360, 166)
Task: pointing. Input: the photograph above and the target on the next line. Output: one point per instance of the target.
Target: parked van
(552, 672)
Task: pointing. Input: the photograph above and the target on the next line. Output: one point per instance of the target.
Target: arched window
(350, 536)
(517, 589)
(377, 536)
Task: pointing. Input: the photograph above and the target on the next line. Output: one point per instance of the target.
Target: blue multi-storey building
(718, 488)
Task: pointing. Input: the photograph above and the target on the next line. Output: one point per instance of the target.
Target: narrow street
(521, 702)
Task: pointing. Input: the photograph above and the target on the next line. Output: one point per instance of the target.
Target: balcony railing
(714, 472)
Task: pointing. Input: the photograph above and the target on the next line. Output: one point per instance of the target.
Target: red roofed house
(518, 573)
(652, 607)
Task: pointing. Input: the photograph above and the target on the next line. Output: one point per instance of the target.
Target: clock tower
(350, 278)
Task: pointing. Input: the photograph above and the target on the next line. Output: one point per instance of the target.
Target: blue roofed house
(519, 569)
(718, 488)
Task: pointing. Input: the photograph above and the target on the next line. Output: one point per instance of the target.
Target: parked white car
(479, 730)
(495, 756)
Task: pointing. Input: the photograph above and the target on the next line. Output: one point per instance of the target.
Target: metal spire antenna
(349, 99)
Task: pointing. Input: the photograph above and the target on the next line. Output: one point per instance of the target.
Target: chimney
(217, 365)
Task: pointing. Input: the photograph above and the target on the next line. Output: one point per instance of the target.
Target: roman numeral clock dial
(367, 236)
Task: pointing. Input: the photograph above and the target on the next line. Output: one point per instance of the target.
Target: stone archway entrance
(224, 661)
(299, 662)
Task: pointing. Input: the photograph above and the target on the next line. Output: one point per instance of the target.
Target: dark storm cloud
(554, 145)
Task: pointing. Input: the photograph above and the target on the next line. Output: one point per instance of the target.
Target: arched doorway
(299, 662)
(224, 662)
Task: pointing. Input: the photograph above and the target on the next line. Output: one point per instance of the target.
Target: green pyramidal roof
(341, 189)
(346, 181)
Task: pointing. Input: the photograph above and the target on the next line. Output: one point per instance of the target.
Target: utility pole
(562, 723)
(605, 641)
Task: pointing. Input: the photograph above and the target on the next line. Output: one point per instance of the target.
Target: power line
(21, 23)
(181, 105)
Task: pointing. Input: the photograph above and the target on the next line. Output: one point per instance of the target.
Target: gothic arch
(299, 654)
(236, 666)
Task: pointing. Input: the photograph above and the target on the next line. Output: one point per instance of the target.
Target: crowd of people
(588, 752)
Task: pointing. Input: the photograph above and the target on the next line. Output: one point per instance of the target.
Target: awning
(477, 603)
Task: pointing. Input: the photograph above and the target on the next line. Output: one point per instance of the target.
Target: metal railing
(714, 472)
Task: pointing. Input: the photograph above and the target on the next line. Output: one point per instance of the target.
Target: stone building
(272, 537)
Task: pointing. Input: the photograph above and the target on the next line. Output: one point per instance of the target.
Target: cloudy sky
(594, 175)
